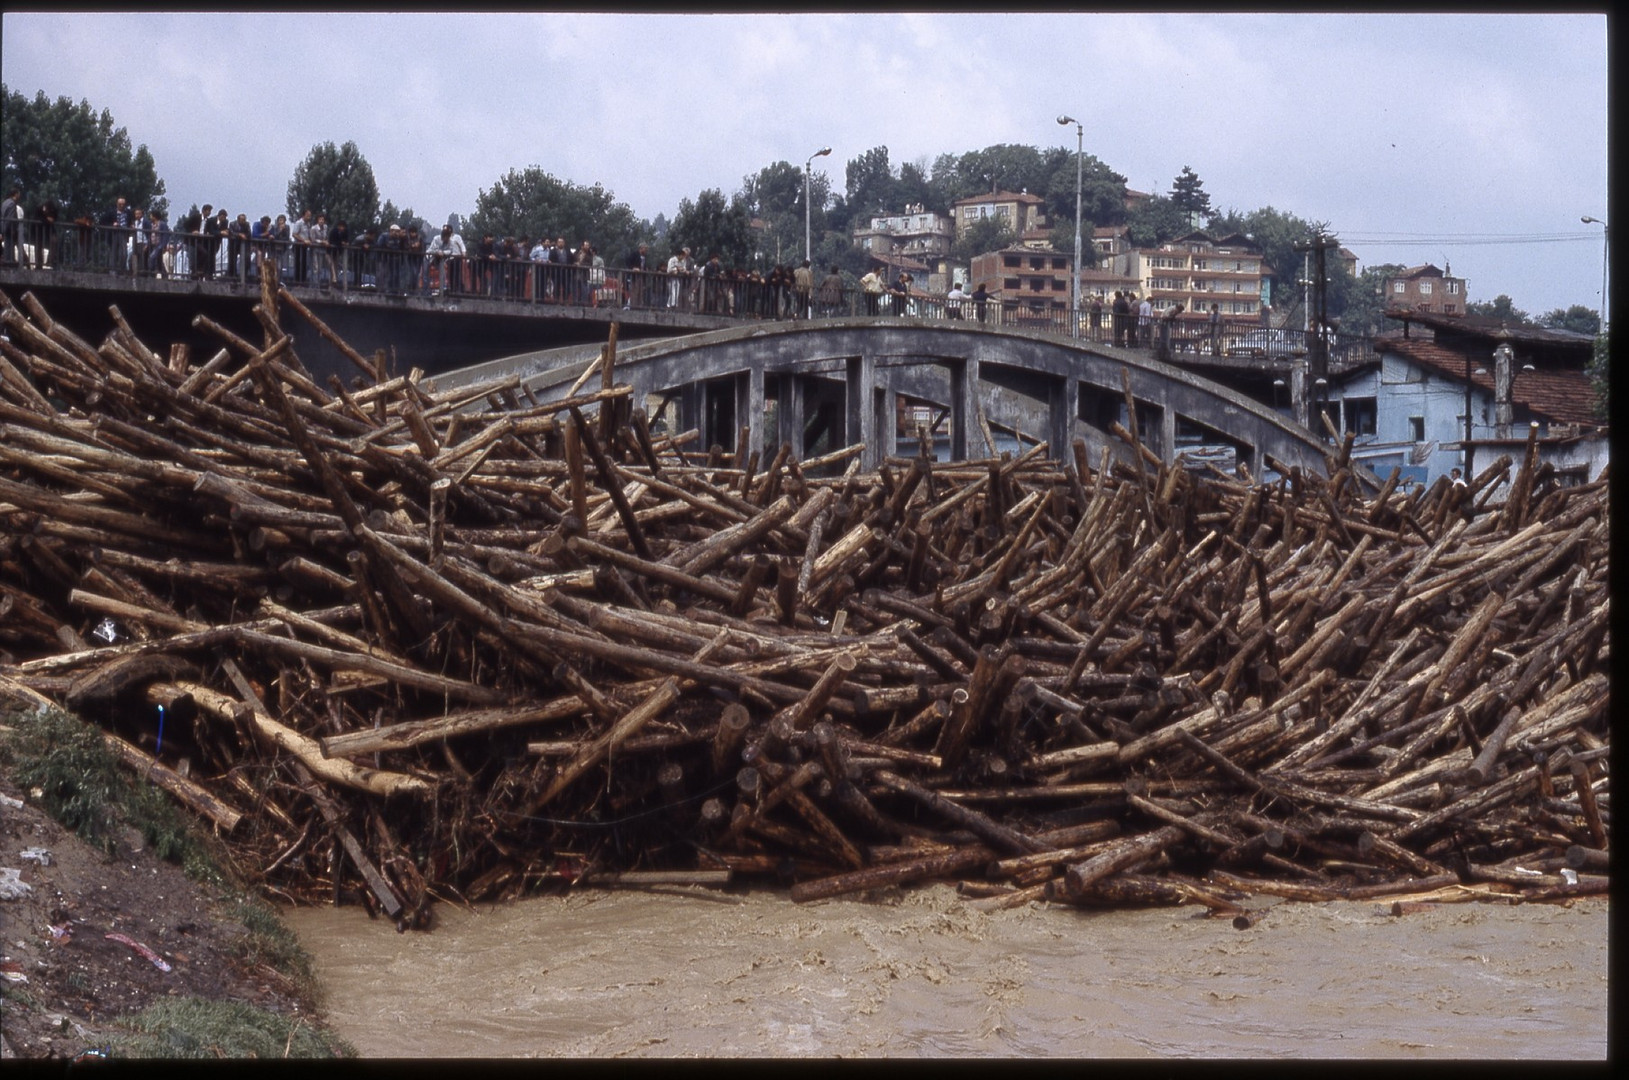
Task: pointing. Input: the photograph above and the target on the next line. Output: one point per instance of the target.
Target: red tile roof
(1489, 327)
(1561, 396)
(1000, 196)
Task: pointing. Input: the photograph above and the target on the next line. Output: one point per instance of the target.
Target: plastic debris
(12, 971)
(107, 630)
(1569, 876)
(158, 961)
(38, 854)
(9, 802)
(12, 885)
(63, 933)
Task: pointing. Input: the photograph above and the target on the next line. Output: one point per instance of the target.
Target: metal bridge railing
(387, 267)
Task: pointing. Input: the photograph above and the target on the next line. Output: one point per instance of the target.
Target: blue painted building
(1406, 403)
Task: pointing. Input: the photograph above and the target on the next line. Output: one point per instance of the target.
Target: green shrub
(191, 1027)
(66, 759)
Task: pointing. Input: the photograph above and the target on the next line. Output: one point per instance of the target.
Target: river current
(693, 973)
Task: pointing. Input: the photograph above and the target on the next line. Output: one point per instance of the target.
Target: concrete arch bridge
(829, 383)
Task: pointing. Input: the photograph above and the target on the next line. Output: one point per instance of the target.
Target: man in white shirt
(446, 254)
(1145, 323)
(679, 269)
(300, 233)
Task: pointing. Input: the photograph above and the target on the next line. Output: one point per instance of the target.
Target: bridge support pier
(789, 411)
(861, 415)
(964, 411)
(1062, 398)
(749, 398)
(693, 410)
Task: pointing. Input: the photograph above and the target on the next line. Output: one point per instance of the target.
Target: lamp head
(824, 152)
(1067, 120)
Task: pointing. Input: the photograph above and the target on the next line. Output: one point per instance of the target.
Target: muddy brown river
(684, 973)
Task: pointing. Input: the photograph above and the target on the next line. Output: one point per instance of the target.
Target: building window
(1453, 288)
(1416, 428)
(1449, 309)
(1399, 287)
(1011, 262)
(1361, 415)
(1009, 283)
(1060, 264)
(1425, 288)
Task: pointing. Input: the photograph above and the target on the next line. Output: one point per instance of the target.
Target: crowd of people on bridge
(398, 260)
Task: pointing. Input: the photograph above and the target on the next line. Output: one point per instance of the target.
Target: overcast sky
(1459, 139)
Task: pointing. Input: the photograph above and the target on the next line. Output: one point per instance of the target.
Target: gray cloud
(1432, 126)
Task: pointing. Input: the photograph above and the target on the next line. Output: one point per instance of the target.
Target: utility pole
(1317, 303)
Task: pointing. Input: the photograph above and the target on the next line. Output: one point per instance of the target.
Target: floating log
(453, 608)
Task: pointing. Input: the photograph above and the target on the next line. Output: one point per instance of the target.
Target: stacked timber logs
(419, 643)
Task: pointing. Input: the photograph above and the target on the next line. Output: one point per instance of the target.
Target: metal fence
(388, 266)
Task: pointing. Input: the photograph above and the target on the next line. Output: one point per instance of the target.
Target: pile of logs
(412, 644)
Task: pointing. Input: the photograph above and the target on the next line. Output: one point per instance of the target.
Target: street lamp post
(1604, 230)
(807, 167)
(1074, 278)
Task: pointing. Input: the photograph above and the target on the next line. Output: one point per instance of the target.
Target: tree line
(75, 156)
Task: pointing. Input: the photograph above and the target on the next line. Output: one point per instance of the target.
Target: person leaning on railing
(872, 288)
(446, 256)
(11, 226)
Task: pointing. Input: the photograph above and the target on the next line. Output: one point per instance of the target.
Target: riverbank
(111, 949)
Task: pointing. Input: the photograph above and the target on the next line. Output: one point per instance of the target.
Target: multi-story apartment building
(1019, 209)
(1110, 241)
(1198, 271)
(917, 233)
(1025, 280)
(1425, 288)
(918, 237)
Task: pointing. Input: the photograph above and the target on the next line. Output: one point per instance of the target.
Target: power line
(1401, 239)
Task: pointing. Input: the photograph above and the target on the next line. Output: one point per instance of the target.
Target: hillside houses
(1406, 404)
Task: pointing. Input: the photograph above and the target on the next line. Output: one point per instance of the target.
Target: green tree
(1578, 318)
(1188, 193)
(337, 181)
(1005, 167)
(1156, 221)
(1600, 372)
(74, 156)
(774, 195)
(1500, 307)
(871, 184)
(986, 234)
(913, 188)
(532, 202)
(1063, 239)
(1278, 233)
(389, 215)
(711, 224)
(1363, 313)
